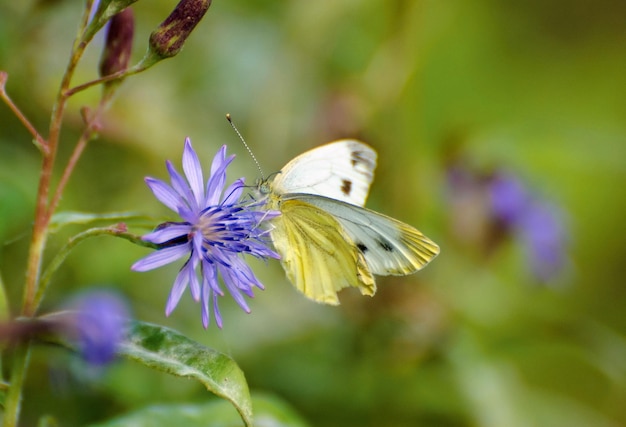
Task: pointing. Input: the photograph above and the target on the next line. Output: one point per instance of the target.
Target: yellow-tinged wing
(389, 246)
(317, 255)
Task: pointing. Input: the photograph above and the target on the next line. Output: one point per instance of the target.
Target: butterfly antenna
(258, 165)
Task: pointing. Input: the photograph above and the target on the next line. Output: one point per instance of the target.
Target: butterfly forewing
(390, 247)
(317, 255)
(341, 170)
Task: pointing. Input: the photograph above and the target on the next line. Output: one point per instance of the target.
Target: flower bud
(168, 39)
(119, 43)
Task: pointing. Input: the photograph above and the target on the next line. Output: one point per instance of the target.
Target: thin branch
(39, 141)
(90, 131)
(111, 77)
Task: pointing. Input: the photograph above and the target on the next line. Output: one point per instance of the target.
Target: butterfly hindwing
(316, 254)
(341, 170)
(390, 247)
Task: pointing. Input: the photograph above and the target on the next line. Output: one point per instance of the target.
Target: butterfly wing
(341, 170)
(317, 255)
(390, 247)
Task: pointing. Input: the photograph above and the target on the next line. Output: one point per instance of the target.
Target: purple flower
(536, 222)
(508, 198)
(98, 325)
(544, 239)
(217, 228)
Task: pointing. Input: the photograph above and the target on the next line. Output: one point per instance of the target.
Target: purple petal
(216, 181)
(232, 283)
(164, 193)
(168, 233)
(206, 317)
(209, 283)
(216, 312)
(218, 159)
(180, 185)
(180, 284)
(160, 258)
(247, 275)
(193, 171)
(209, 275)
(195, 284)
(233, 192)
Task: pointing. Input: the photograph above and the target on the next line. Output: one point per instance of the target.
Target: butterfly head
(264, 185)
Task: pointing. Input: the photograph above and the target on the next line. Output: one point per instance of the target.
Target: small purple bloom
(488, 207)
(217, 228)
(544, 238)
(99, 325)
(536, 222)
(508, 197)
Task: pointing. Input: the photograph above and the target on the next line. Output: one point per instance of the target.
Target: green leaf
(269, 412)
(166, 350)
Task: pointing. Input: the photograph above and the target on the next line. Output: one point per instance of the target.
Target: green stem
(42, 218)
(148, 61)
(14, 393)
(40, 143)
(42, 211)
(88, 134)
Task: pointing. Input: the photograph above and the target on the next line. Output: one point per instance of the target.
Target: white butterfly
(326, 239)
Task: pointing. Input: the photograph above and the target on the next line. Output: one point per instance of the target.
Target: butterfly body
(326, 238)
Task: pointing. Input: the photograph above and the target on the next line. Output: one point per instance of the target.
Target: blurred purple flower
(98, 325)
(217, 229)
(486, 208)
(508, 198)
(536, 223)
(544, 236)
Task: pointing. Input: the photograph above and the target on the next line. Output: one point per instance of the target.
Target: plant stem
(122, 74)
(89, 132)
(39, 141)
(14, 393)
(42, 211)
(43, 214)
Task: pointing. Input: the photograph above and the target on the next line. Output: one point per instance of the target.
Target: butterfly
(326, 239)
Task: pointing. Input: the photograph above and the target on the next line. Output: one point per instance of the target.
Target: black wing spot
(385, 245)
(357, 157)
(362, 247)
(346, 187)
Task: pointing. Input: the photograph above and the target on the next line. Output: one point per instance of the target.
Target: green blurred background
(536, 88)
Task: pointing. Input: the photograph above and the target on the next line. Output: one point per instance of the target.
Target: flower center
(224, 227)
